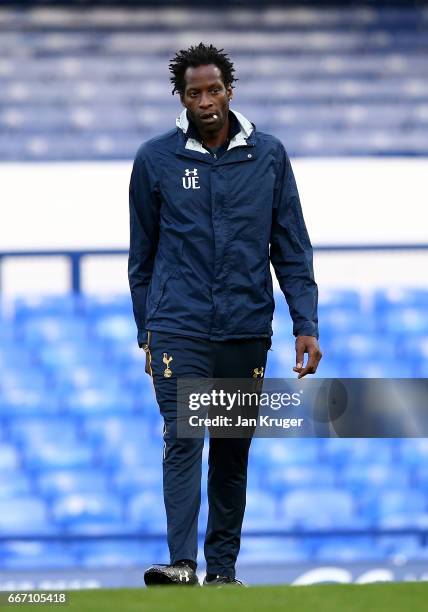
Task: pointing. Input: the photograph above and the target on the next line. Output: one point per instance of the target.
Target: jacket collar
(240, 139)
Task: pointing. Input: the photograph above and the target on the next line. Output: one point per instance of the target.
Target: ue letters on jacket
(203, 234)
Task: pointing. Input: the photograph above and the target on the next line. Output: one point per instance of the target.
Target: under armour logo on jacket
(190, 180)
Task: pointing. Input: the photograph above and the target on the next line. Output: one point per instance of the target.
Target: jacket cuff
(142, 338)
(309, 329)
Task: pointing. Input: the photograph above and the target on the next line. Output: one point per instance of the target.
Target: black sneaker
(220, 581)
(179, 574)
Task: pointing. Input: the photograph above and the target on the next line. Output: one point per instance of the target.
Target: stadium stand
(91, 83)
(80, 443)
(80, 433)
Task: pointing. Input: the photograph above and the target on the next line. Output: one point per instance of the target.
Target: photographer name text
(261, 421)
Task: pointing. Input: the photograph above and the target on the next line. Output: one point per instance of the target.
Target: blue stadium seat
(280, 478)
(78, 508)
(319, 508)
(345, 299)
(140, 383)
(14, 483)
(414, 350)
(118, 554)
(102, 527)
(388, 300)
(131, 454)
(37, 431)
(49, 561)
(57, 483)
(24, 515)
(9, 458)
(68, 354)
(114, 431)
(100, 401)
(395, 544)
(380, 368)
(361, 346)
(128, 482)
(331, 552)
(58, 455)
(14, 358)
(99, 306)
(48, 305)
(125, 354)
(146, 511)
(282, 327)
(52, 329)
(405, 518)
(403, 321)
(363, 476)
(115, 328)
(20, 401)
(77, 378)
(256, 519)
(413, 451)
(419, 475)
(351, 450)
(336, 321)
(330, 367)
(419, 553)
(273, 550)
(421, 370)
(24, 379)
(389, 501)
(283, 452)
(36, 555)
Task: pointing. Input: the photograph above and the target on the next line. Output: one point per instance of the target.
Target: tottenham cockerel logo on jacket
(191, 179)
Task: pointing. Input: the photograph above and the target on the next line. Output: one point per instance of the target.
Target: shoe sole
(220, 586)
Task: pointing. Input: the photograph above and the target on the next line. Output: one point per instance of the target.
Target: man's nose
(205, 101)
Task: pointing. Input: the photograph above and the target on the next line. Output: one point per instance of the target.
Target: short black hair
(200, 55)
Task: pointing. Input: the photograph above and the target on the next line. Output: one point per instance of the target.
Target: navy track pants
(182, 457)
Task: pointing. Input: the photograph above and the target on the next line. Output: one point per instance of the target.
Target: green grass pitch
(378, 597)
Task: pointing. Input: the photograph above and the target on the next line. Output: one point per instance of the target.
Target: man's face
(206, 95)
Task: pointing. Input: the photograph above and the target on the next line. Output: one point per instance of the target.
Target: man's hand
(307, 344)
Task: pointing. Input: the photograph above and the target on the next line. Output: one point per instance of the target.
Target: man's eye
(193, 94)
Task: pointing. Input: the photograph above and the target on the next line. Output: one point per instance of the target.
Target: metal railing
(75, 257)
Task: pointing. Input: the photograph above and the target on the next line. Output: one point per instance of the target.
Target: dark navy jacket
(203, 231)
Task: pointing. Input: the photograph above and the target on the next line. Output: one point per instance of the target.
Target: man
(208, 200)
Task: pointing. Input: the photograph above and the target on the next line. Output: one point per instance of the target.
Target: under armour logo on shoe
(183, 576)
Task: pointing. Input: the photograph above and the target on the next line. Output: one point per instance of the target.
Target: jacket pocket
(159, 282)
(162, 288)
(165, 267)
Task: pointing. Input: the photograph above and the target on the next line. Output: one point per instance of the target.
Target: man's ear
(182, 100)
(229, 92)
